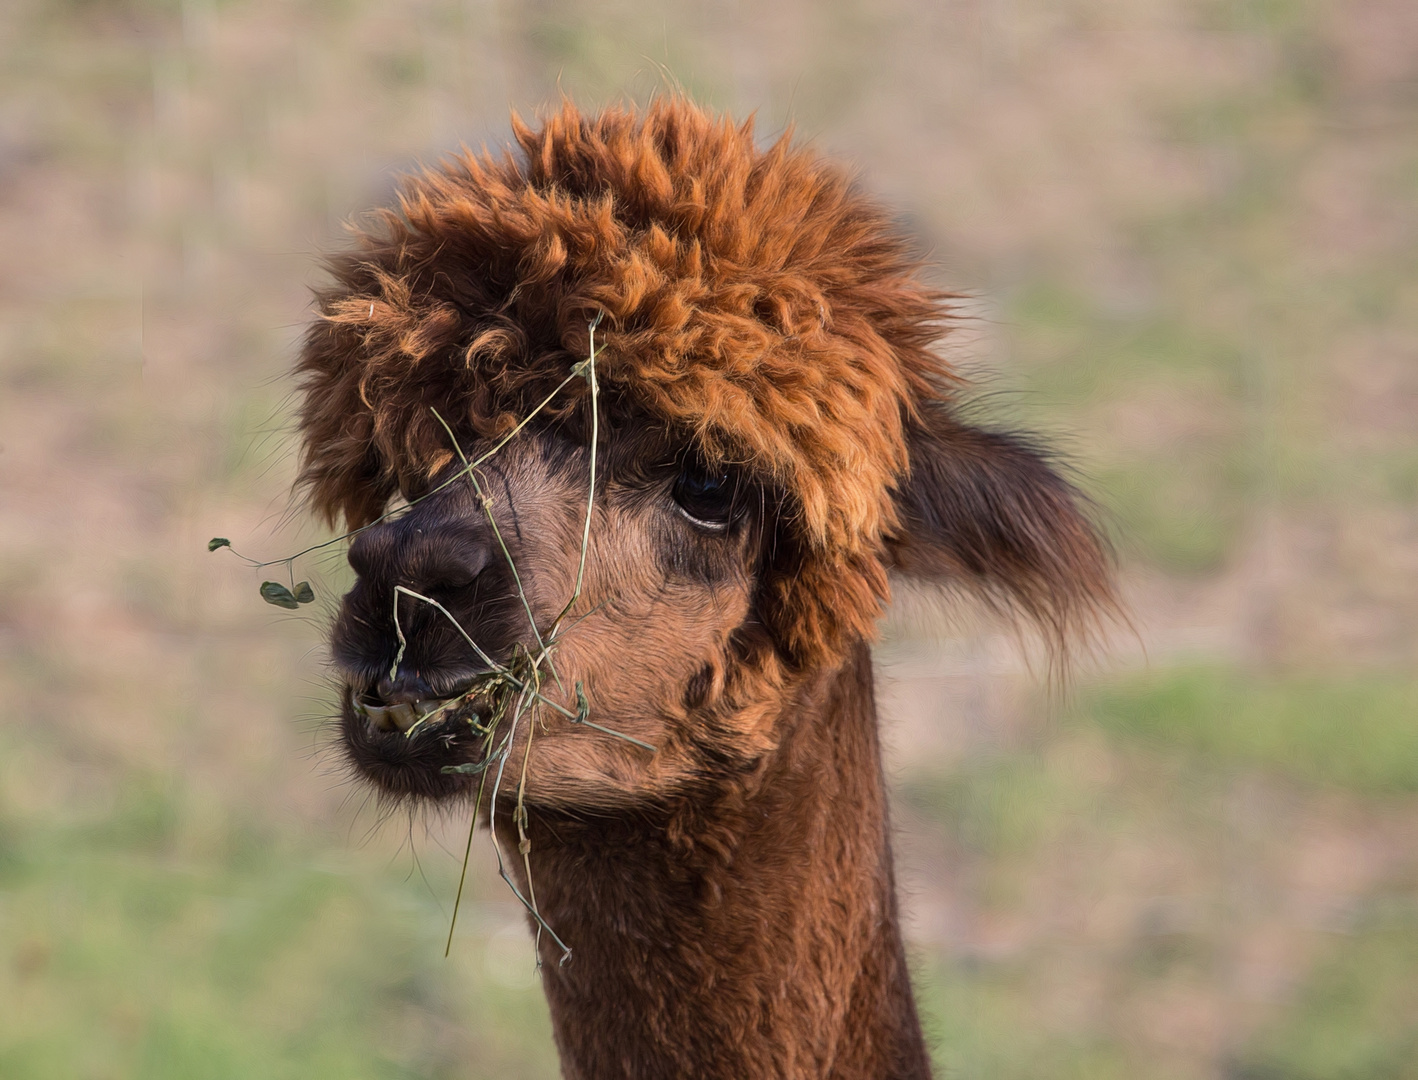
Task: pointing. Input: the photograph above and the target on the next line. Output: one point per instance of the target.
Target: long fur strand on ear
(987, 510)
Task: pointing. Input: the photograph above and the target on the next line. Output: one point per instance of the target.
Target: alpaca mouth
(402, 716)
(423, 749)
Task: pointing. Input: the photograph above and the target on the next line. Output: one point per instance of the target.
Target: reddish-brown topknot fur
(752, 297)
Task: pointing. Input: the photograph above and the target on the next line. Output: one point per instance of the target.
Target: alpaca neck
(769, 946)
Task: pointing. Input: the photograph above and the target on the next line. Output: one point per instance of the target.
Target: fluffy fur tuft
(753, 299)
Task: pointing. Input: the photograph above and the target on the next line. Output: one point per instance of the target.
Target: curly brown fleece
(752, 298)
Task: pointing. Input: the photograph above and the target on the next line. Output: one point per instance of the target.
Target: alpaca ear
(986, 510)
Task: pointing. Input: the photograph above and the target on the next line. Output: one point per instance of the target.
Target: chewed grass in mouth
(406, 716)
(479, 705)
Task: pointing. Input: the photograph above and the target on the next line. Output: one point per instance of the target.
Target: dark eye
(705, 495)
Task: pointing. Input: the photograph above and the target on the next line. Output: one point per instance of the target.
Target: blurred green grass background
(1189, 232)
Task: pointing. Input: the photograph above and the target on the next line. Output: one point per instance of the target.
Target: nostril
(446, 562)
(421, 553)
(373, 546)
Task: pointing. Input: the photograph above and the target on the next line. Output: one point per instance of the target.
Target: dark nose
(420, 553)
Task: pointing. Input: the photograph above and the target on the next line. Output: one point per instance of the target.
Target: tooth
(379, 716)
(401, 715)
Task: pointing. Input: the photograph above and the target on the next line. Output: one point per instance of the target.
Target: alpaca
(765, 434)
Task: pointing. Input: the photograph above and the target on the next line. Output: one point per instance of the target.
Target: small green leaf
(304, 594)
(468, 768)
(273, 592)
(216, 542)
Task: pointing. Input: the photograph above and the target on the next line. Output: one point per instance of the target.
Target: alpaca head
(772, 435)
